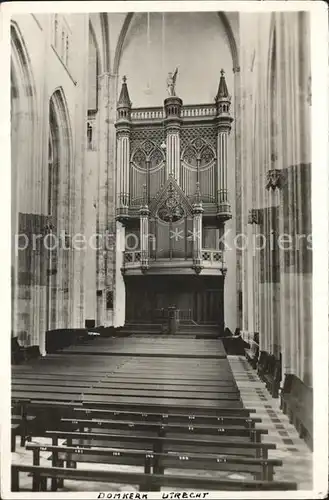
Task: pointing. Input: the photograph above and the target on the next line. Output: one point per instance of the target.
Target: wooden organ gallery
(173, 202)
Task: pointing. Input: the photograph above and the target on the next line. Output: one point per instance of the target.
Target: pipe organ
(172, 180)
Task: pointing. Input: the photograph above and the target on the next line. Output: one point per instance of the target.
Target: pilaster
(224, 120)
(173, 106)
(197, 232)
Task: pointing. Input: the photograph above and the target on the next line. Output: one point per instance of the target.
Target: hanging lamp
(163, 144)
(148, 89)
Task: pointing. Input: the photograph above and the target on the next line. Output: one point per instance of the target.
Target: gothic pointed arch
(94, 64)
(221, 15)
(59, 210)
(171, 197)
(23, 127)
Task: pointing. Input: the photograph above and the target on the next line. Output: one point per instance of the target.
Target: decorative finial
(124, 99)
(222, 87)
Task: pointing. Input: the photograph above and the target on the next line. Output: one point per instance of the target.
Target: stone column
(123, 161)
(144, 237)
(197, 233)
(123, 126)
(102, 191)
(173, 106)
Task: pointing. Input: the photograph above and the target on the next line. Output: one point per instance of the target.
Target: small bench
(297, 403)
(146, 482)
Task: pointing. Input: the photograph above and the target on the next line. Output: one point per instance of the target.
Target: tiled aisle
(296, 456)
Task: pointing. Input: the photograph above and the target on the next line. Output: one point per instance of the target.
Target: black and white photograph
(165, 278)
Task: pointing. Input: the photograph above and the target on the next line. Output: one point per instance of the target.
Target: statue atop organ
(171, 83)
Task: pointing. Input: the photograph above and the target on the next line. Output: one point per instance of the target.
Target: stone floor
(296, 456)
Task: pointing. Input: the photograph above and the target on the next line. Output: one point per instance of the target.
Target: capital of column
(144, 211)
(144, 262)
(224, 212)
(123, 130)
(173, 109)
(197, 209)
(224, 123)
(173, 126)
(197, 266)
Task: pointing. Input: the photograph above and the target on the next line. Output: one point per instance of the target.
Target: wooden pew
(60, 338)
(141, 416)
(161, 427)
(157, 461)
(146, 482)
(129, 388)
(241, 446)
(143, 407)
(272, 376)
(50, 413)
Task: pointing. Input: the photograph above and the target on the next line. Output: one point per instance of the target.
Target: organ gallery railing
(157, 113)
(210, 258)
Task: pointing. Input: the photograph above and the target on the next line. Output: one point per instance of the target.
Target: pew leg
(60, 482)
(15, 480)
(13, 442)
(147, 466)
(54, 484)
(255, 437)
(36, 478)
(24, 413)
(43, 484)
(267, 474)
(36, 482)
